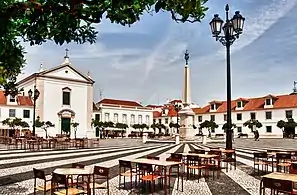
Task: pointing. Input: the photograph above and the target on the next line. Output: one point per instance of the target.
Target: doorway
(65, 125)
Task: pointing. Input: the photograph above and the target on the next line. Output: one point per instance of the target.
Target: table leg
(165, 180)
(88, 187)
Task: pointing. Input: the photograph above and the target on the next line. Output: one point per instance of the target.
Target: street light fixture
(232, 29)
(34, 95)
(177, 108)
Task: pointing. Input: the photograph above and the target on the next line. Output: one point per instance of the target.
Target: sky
(145, 62)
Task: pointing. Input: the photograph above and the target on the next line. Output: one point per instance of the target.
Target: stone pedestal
(177, 139)
(203, 139)
(144, 138)
(186, 132)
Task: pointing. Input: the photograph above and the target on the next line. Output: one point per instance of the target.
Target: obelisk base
(186, 132)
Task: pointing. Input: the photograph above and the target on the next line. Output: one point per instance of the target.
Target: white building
(122, 111)
(66, 96)
(14, 107)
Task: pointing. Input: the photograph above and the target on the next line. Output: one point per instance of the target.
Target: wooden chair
(100, 176)
(260, 159)
(39, 174)
(194, 163)
(214, 164)
(126, 170)
(147, 174)
(79, 180)
(277, 186)
(229, 158)
(62, 180)
(283, 160)
(174, 170)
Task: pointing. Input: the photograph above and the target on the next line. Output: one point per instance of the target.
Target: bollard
(177, 139)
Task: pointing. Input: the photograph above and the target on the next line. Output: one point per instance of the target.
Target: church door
(65, 125)
(97, 132)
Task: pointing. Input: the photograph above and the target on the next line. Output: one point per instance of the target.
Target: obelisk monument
(186, 113)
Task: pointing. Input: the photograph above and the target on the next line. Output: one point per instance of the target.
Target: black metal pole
(34, 108)
(229, 120)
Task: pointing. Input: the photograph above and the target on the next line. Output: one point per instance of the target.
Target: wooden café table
(162, 163)
(76, 171)
(278, 181)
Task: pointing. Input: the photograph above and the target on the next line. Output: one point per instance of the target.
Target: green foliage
(15, 122)
(225, 126)
(174, 125)
(44, 125)
(251, 123)
(75, 125)
(209, 125)
(61, 21)
(121, 126)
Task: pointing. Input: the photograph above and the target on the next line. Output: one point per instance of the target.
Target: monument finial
(295, 89)
(66, 53)
(187, 57)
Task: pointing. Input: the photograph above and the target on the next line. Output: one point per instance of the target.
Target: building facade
(268, 110)
(15, 107)
(122, 111)
(66, 96)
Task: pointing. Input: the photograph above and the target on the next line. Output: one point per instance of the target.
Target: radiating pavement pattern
(16, 177)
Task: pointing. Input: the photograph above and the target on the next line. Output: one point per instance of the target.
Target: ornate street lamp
(177, 108)
(232, 29)
(34, 95)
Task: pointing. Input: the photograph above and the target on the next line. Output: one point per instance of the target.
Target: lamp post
(177, 108)
(34, 95)
(232, 29)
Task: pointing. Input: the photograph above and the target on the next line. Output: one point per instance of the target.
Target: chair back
(279, 185)
(192, 158)
(125, 164)
(258, 155)
(77, 165)
(173, 159)
(215, 152)
(145, 167)
(59, 179)
(176, 156)
(199, 151)
(283, 156)
(39, 174)
(101, 171)
(153, 157)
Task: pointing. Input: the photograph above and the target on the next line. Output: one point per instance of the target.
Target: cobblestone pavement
(16, 177)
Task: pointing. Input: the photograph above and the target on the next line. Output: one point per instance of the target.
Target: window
(147, 119)
(154, 120)
(66, 98)
(225, 117)
(106, 117)
(239, 104)
(253, 115)
(166, 120)
(140, 119)
(289, 114)
(239, 117)
(163, 112)
(115, 118)
(124, 118)
(12, 98)
(160, 121)
(268, 102)
(97, 117)
(132, 119)
(11, 112)
(199, 118)
(26, 113)
(212, 106)
(268, 129)
(268, 115)
(239, 129)
(212, 117)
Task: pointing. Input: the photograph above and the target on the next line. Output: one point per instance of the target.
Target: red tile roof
(120, 102)
(24, 101)
(281, 101)
(175, 101)
(154, 106)
(21, 100)
(157, 114)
